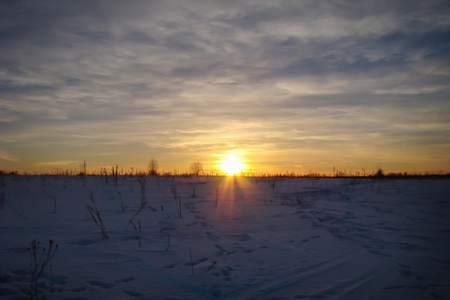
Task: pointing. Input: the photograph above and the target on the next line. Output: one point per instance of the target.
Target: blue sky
(288, 85)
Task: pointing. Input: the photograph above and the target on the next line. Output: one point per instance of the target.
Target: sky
(301, 86)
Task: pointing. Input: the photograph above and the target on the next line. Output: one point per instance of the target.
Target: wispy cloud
(54, 163)
(8, 157)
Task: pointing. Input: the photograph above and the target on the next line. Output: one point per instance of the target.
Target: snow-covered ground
(290, 238)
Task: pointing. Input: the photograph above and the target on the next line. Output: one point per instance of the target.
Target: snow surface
(285, 238)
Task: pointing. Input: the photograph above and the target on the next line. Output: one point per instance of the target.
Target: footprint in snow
(100, 284)
(240, 237)
(170, 266)
(127, 279)
(133, 293)
(79, 289)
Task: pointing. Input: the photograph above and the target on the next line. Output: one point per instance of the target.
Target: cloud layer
(295, 85)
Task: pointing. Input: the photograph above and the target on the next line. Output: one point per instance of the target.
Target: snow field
(294, 238)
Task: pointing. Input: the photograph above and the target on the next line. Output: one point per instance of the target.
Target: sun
(232, 165)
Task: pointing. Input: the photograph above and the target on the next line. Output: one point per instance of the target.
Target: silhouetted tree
(196, 168)
(153, 167)
(379, 173)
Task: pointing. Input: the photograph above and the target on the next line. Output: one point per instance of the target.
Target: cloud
(257, 74)
(8, 157)
(54, 163)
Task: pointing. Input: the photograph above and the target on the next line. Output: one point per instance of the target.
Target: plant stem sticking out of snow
(39, 263)
(192, 262)
(211, 266)
(2, 199)
(177, 200)
(142, 182)
(217, 193)
(95, 214)
(168, 243)
(273, 183)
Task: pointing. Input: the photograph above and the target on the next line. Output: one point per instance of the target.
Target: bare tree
(196, 168)
(153, 167)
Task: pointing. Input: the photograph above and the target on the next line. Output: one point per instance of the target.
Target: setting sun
(232, 165)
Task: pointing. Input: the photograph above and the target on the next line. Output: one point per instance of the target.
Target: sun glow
(232, 165)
